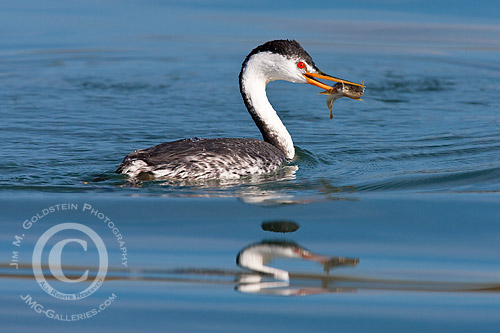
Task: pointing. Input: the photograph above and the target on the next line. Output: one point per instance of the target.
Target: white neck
(253, 83)
(254, 259)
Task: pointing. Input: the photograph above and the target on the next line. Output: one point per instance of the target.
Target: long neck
(253, 91)
(254, 259)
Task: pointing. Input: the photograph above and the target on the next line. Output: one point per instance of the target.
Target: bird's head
(285, 60)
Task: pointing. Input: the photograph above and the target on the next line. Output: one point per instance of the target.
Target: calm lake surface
(407, 181)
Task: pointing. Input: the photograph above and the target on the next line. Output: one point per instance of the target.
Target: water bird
(234, 158)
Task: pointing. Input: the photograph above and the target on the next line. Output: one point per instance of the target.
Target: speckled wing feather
(204, 159)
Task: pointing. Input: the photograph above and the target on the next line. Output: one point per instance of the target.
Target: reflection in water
(287, 172)
(280, 226)
(256, 257)
(264, 189)
(277, 188)
(266, 279)
(255, 284)
(261, 197)
(300, 283)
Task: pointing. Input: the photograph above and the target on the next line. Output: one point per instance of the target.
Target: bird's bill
(330, 261)
(313, 257)
(311, 79)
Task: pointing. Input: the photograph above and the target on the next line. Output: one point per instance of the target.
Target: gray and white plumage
(221, 158)
(229, 158)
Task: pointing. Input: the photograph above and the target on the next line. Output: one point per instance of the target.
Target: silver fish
(340, 90)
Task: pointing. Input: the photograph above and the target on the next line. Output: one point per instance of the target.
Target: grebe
(232, 158)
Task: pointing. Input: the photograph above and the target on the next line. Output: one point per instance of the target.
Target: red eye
(301, 65)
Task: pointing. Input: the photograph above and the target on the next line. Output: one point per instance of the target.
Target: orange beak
(313, 257)
(310, 77)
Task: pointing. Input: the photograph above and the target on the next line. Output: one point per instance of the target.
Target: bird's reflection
(279, 188)
(256, 284)
(270, 280)
(280, 226)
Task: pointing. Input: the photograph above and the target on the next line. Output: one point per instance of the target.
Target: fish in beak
(343, 88)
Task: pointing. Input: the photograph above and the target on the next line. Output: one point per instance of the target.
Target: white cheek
(299, 77)
(294, 74)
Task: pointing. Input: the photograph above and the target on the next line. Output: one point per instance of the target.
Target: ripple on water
(416, 130)
(438, 181)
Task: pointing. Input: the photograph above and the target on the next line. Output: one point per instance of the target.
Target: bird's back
(195, 158)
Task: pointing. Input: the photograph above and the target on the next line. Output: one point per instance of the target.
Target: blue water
(406, 180)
